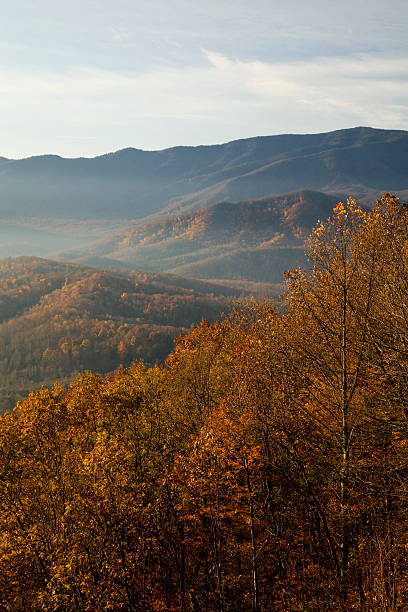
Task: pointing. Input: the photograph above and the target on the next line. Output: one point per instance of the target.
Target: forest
(58, 319)
(263, 467)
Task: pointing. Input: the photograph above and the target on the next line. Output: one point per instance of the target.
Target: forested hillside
(256, 240)
(59, 319)
(263, 468)
(49, 204)
(132, 183)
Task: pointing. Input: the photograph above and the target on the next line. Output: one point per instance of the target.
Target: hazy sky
(84, 77)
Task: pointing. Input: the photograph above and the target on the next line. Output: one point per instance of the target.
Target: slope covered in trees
(264, 468)
(133, 183)
(256, 240)
(58, 319)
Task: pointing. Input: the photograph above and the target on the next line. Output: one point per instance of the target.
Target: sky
(84, 77)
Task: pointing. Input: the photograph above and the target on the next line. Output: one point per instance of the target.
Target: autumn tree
(263, 467)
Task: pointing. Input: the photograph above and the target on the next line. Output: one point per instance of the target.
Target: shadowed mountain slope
(132, 183)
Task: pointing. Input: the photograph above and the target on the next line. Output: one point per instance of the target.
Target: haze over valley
(203, 306)
(234, 216)
(132, 184)
(49, 204)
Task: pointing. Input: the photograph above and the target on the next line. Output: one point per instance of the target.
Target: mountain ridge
(361, 128)
(133, 183)
(270, 232)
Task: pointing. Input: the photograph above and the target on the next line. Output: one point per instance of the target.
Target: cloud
(120, 35)
(237, 97)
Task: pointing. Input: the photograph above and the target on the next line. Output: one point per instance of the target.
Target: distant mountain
(58, 319)
(256, 240)
(132, 183)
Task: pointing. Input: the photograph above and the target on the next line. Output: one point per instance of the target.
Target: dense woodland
(59, 319)
(263, 468)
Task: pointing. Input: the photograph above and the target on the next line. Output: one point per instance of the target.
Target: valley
(132, 183)
(204, 306)
(256, 240)
(141, 245)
